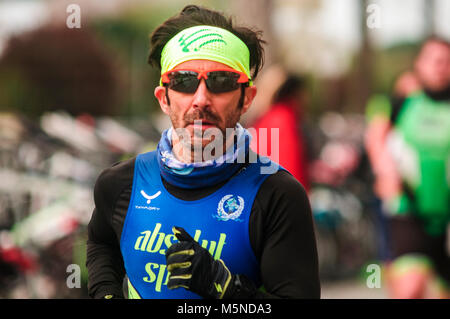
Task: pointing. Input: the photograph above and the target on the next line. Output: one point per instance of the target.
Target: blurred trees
(127, 36)
(102, 68)
(256, 14)
(99, 69)
(56, 68)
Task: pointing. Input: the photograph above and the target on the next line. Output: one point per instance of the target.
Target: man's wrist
(108, 294)
(240, 287)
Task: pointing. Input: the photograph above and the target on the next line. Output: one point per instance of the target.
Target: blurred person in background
(410, 156)
(285, 114)
(387, 183)
(249, 230)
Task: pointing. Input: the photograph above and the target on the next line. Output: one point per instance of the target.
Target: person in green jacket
(410, 153)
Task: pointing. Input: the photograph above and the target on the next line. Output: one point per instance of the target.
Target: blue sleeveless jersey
(218, 222)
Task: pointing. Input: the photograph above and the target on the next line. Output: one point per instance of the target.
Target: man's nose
(202, 97)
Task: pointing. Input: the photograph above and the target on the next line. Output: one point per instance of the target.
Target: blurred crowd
(48, 171)
(378, 178)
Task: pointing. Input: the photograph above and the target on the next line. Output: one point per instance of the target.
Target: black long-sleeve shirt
(280, 228)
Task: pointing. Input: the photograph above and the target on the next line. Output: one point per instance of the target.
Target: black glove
(191, 266)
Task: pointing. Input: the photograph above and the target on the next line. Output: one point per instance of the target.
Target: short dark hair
(433, 39)
(438, 39)
(193, 15)
(289, 88)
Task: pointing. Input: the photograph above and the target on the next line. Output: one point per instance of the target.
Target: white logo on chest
(150, 197)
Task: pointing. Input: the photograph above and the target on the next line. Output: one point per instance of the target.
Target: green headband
(206, 42)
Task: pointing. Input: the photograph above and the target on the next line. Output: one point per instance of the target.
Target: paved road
(351, 289)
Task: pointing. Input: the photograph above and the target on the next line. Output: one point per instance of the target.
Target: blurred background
(76, 100)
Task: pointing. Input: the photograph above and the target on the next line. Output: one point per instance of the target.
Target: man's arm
(282, 235)
(387, 179)
(104, 259)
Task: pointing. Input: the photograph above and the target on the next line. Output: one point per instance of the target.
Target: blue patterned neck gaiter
(202, 174)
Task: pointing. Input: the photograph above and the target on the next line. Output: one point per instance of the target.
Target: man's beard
(208, 116)
(198, 141)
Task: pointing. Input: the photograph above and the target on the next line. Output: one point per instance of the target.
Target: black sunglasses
(217, 80)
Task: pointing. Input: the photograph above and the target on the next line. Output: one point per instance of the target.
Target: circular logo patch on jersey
(230, 207)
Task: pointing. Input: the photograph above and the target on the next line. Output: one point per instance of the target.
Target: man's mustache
(203, 115)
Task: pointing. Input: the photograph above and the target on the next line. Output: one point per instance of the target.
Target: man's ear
(250, 93)
(160, 94)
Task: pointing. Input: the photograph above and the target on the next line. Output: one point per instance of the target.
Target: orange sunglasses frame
(203, 74)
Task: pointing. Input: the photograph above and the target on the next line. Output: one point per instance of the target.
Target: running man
(410, 153)
(200, 217)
